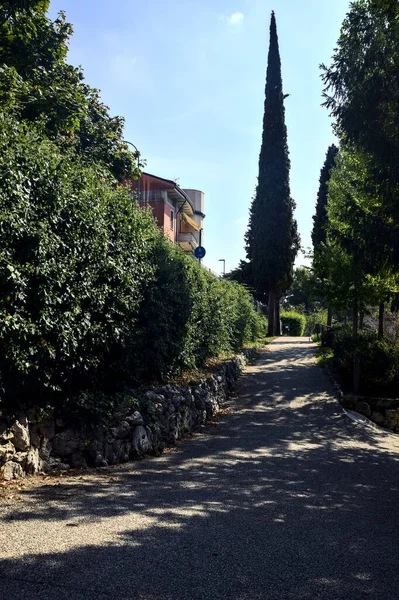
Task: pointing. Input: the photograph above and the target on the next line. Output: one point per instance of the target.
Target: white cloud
(235, 19)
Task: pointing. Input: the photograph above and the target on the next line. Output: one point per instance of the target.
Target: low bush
(294, 323)
(379, 360)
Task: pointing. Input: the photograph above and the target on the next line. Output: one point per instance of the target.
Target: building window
(172, 219)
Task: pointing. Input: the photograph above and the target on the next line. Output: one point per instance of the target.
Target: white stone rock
(21, 439)
(11, 470)
(32, 465)
(140, 442)
(7, 451)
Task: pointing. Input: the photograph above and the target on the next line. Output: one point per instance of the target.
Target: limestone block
(135, 419)
(5, 433)
(140, 442)
(66, 442)
(32, 465)
(78, 460)
(7, 451)
(20, 458)
(11, 470)
(363, 408)
(45, 449)
(21, 439)
(377, 417)
(123, 430)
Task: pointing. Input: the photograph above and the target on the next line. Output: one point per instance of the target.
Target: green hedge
(379, 360)
(74, 262)
(188, 315)
(92, 296)
(294, 323)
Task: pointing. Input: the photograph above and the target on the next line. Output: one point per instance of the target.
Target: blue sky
(189, 77)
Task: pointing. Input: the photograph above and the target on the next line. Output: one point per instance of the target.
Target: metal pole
(138, 166)
(223, 260)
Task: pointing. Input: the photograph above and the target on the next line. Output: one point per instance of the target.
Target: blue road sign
(199, 252)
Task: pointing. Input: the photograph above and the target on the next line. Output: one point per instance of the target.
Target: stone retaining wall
(382, 411)
(141, 425)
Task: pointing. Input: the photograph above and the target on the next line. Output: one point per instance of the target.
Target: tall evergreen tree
(272, 237)
(320, 219)
(320, 223)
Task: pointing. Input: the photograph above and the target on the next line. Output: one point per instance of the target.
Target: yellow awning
(190, 222)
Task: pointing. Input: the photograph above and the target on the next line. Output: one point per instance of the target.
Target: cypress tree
(272, 237)
(320, 219)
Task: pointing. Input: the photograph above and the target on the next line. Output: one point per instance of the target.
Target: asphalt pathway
(284, 498)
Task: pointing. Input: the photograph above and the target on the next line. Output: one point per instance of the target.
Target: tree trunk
(355, 318)
(329, 316)
(356, 359)
(361, 319)
(271, 313)
(381, 321)
(278, 324)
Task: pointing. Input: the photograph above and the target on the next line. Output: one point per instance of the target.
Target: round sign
(199, 252)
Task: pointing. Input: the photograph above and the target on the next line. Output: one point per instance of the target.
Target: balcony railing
(186, 240)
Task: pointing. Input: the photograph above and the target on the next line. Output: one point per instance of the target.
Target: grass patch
(324, 356)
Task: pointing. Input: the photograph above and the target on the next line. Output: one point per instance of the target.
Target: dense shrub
(379, 359)
(294, 323)
(315, 318)
(187, 316)
(92, 296)
(74, 258)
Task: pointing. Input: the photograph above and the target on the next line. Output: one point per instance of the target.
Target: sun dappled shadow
(283, 498)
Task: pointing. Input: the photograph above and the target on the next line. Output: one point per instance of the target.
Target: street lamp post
(138, 165)
(223, 260)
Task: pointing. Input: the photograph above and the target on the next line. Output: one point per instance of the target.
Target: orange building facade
(178, 212)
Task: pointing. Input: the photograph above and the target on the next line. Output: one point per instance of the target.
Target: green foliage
(188, 315)
(304, 293)
(358, 255)
(93, 298)
(320, 219)
(362, 83)
(379, 360)
(362, 88)
(74, 260)
(317, 317)
(272, 237)
(294, 323)
(324, 354)
(37, 85)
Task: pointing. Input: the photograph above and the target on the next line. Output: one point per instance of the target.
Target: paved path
(285, 498)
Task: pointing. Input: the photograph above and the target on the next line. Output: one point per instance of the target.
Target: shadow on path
(285, 498)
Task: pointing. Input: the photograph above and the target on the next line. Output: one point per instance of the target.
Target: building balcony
(187, 241)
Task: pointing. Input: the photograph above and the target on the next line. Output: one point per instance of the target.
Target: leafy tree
(304, 293)
(39, 86)
(272, 238)
(358, 256)
(362, 93)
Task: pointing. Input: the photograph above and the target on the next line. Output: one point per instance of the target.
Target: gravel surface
(283, 498)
